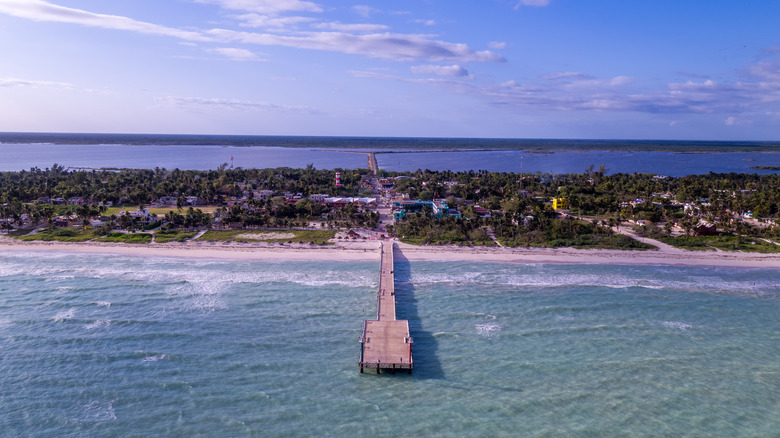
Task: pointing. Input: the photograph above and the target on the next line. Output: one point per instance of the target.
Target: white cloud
(40, 10)
(230, 104)
(621, 80)
(441, 70)
(730, 121)
(342, 27)
(567, 75)
(586, 82)
(768, 71)
(266, 6)
(399, 47)
(537, 3)
(426, 22)
(235, 54)
(497, 45)
(365, 11)
(575, 91)
(269, 21)
(13, 82)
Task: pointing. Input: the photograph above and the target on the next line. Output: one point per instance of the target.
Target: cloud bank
(343, 38)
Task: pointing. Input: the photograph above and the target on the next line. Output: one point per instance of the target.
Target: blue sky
(435, 68)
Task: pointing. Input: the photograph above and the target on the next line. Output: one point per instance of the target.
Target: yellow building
(559, 204)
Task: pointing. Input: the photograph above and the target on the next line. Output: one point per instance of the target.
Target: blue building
(439, 208)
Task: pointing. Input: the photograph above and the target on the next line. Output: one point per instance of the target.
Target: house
(264, 194)
(481, 212)
(319, 197)
(166, 200)
(66, 221)
(705, 229)
(387, 183)
(560, 203)
(142, 215)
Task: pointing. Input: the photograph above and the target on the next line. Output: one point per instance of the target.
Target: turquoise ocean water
(97, 345)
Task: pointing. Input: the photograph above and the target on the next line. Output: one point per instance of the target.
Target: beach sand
(369, 251)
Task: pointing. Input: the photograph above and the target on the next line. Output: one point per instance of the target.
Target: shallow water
(113, 345)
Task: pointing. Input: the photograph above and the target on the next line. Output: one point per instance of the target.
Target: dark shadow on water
(426, 362)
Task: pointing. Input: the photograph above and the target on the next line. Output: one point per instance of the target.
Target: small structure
(560, 204)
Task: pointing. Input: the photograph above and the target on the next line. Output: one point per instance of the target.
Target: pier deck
(386, 343)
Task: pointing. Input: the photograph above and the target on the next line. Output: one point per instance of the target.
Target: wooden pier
(386, 344)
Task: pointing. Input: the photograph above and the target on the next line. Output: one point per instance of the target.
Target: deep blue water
(96, 345)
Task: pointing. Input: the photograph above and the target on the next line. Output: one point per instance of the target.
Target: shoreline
(369, 251)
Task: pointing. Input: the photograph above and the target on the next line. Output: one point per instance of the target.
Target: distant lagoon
(663, 163)
(20, 152)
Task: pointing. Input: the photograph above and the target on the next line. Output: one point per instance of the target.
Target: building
(439, 208)
(560, 204)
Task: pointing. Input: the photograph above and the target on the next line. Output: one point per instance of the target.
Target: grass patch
(319, 237)
(126, 238)
(593, 241)
(20, 232)
(62, 235)
(175, 235)
(414, 240)
(585, 241)
(424, 241)
(723, 243)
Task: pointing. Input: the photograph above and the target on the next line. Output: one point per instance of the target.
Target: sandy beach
(368, 251)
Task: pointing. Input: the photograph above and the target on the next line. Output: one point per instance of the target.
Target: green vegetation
(723, 243)
(126, 238)
(318, 237)
(142, 187)
(509, 208)
(154, 210)
(173, 235)
(520, 213)
(62, 235)
(420, 229)
(20, 232)
(229, 235)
